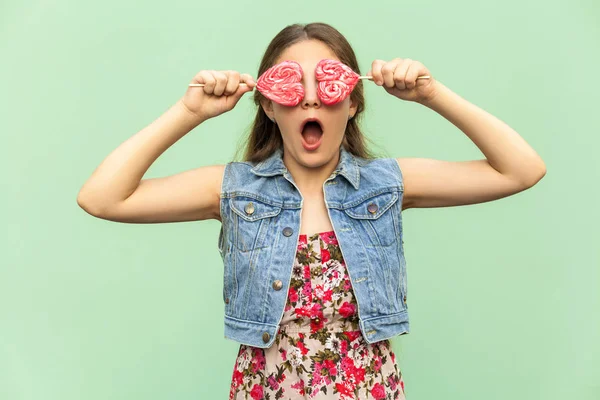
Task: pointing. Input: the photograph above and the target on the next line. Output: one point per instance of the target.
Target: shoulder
(235, 171)
(239, 179)
(384, 170)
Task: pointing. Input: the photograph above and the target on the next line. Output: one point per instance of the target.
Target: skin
(310, 169)
(116, 191)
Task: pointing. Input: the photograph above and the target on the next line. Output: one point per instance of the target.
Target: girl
(311, 236)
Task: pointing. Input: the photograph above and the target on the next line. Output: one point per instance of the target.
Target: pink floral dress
(319, 351)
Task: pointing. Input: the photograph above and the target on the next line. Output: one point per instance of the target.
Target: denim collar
(347, 166)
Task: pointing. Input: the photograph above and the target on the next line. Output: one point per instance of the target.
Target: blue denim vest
(260, 211)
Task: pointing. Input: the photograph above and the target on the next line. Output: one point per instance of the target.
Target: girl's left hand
(399, 78)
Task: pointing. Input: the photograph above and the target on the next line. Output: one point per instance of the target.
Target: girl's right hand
(220, 94)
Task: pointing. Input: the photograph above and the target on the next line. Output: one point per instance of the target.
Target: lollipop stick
(196, 84)
(202, 84)
(371, 78)
(360, 77)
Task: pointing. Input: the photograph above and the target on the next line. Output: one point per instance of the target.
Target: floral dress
(319, 351)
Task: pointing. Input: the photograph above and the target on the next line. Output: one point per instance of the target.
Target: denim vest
(260, 212)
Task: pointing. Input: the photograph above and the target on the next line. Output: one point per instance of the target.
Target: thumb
(243, 88)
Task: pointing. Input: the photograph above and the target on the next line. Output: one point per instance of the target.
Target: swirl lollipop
(336, 81)
(281, 83)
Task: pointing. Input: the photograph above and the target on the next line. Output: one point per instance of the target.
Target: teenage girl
(322, 347)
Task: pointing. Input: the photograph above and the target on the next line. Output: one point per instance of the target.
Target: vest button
(227, 300)
(249, 208)
(372, 208)
(277, 285)
(287, 231)
(266, 337)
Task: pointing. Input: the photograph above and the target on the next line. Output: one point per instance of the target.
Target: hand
(220, 94)
(399, 78)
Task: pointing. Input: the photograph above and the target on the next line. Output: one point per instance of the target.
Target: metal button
(405, 298)
(227, 300)
(372, 208)
(277, 285)
(317, 320)
(287, 231)
(266, 337)
(249, 208)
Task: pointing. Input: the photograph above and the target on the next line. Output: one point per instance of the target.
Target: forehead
(307, 53)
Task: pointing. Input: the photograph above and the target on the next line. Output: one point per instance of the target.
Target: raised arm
(115, 191)
(511, 165)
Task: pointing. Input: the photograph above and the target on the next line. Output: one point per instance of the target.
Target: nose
(310, 94)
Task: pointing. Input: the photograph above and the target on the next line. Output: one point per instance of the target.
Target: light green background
(503, 296)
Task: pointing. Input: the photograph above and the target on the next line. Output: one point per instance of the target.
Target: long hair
(264, 137)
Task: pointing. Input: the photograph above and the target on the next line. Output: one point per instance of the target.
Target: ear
(353, 107)
(267, 106)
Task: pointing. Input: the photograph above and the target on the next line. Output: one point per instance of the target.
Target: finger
(388, 72)
(400, 74)
(249, 83)
(221, 82)
(241, 89)
(376, 71)
(247, 78)
(414, 70)
(207, 79)
(233, 81)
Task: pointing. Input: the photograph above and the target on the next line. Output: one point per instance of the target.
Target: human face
(312, 146)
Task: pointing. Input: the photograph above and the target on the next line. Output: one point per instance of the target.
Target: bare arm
(511, 165)
(115, 192)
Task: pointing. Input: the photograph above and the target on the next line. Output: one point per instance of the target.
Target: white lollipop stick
(360, 77)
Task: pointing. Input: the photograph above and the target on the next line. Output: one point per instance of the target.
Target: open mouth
(312, 131)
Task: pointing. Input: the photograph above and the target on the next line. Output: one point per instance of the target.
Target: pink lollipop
(336, 81)
(281, 83)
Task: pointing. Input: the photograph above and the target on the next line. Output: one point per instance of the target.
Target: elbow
(88, 205)
(535, 176)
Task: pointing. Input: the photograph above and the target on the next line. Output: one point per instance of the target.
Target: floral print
(319, 351)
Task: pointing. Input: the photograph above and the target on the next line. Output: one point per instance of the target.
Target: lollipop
(281, 83)
(336, 81)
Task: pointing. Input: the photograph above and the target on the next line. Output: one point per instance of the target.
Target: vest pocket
(251, 218)
(374, 215)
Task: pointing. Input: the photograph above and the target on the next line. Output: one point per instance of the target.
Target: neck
(310, 179)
